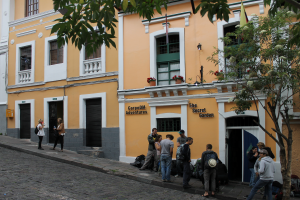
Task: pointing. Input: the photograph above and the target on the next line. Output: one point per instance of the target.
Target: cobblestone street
(24, 176)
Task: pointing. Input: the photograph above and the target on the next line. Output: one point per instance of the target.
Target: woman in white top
(41, 133)
(158, 149)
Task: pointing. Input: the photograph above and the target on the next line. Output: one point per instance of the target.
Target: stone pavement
(230, 191)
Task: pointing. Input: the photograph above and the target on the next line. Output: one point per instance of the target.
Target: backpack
(139, 161)
(36, 130)
(181, 156)
(178, 152)
(210, 160)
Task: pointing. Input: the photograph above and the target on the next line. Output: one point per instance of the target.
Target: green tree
(265, 64)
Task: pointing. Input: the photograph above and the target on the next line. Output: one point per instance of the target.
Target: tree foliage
(265, 64)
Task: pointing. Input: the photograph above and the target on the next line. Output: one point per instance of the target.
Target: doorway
(235, 154)
(55, 111)
(25, 121)
(93, 122)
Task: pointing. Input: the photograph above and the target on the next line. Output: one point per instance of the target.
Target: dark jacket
(186, 151)
(269, 152)
(151, 141)
(252, 159)
(203, 158)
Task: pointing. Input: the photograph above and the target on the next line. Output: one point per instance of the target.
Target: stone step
(93, 153)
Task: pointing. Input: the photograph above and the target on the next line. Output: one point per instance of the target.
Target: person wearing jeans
(186, 160)
(166, 146)
(266, 172)
(61, 132)
(252, 157)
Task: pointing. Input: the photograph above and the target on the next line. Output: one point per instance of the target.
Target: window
(32, 7)
(95, 54)
(168, 124)
(56, 54)
(168, 59)
(25, 58)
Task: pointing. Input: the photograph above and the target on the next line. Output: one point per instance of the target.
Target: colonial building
(5, 16)
(202, 110)
(47, 82)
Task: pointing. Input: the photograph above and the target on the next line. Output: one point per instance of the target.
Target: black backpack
(208, 156)
(36, 130)
(181, 156)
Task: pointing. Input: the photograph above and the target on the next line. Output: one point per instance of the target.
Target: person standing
(158, 149)
(186, 153)
(266, 172)
(151, 148)
(252, 157)
(261, 146)
(61, 133)
(209, 161)
(41, 133)
(167, 147)
(181, 140)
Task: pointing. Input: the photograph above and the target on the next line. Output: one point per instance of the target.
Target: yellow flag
(243, 19)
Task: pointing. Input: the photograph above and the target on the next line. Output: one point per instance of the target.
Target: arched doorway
(241, 136)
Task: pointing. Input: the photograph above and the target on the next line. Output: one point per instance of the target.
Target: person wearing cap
(180, 142)
(209, 161)
(266, 172)
(261, 145)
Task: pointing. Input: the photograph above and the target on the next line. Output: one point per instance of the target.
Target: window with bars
(56, 54)
(25, 58)
(168, 59)
(32, 7)
(95, 54)
(168, 124)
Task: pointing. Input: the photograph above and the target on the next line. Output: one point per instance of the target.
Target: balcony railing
(92, 66)
(24, 76)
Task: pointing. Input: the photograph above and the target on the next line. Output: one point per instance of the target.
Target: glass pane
(163, 76)
(174, 73)
(163, 68)
(163, 82)
(174, 48)
(174, 66)
(53, 45)
(61, 55)
(53, 57)
(162, 49)
(174, 38)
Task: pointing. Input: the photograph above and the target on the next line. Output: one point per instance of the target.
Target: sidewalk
(227, 192)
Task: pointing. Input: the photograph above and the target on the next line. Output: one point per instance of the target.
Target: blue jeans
(259, 184)
(166, 161)
(252, 178)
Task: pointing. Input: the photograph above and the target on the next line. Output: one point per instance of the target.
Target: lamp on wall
(199, 46)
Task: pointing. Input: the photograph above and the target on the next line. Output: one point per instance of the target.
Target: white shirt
(41, 131)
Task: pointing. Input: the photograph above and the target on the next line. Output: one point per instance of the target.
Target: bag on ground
(139, 161)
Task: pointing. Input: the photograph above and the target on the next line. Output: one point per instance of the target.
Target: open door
(250, 140)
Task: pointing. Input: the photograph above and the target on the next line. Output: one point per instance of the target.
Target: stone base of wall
(111, 143)
(13, 132)
(3, 120)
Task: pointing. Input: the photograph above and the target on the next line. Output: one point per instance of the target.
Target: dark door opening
(235, 153)
(93, 123)
(55, 111)
(25, 121)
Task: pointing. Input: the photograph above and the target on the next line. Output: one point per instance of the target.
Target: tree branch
(280, 134)
(294, 3)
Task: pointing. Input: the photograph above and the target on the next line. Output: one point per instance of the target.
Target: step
(92, 153)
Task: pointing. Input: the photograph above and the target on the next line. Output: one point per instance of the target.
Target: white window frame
(153, 50)
(18, 53)
(58, 71)
(102, 58)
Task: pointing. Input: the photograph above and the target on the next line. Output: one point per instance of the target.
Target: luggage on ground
(139, 161)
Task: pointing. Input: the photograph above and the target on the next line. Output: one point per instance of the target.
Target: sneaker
(176, 175)
(246, 196)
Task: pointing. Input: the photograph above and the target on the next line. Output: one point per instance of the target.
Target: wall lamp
(200, 77)
(199, 46)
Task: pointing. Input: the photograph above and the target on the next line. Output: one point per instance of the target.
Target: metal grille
(25, 59)
(32, 7)
(168, 124)
(241, 121)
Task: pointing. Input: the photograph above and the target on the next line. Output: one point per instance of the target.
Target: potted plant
(178, 79)
(218, 74)
(151, 81)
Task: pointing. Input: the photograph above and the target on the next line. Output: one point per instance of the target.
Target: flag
(244, 18)
(167, 37)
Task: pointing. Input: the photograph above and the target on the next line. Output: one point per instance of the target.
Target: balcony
(92, 66)
(24, 76)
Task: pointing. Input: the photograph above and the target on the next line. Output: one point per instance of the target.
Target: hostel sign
(139, 110)
(202, 112)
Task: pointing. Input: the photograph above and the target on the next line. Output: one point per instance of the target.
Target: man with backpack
(151, 149)
(209, 161)
(185, 157)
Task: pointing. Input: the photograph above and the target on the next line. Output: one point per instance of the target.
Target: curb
(97, 169)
